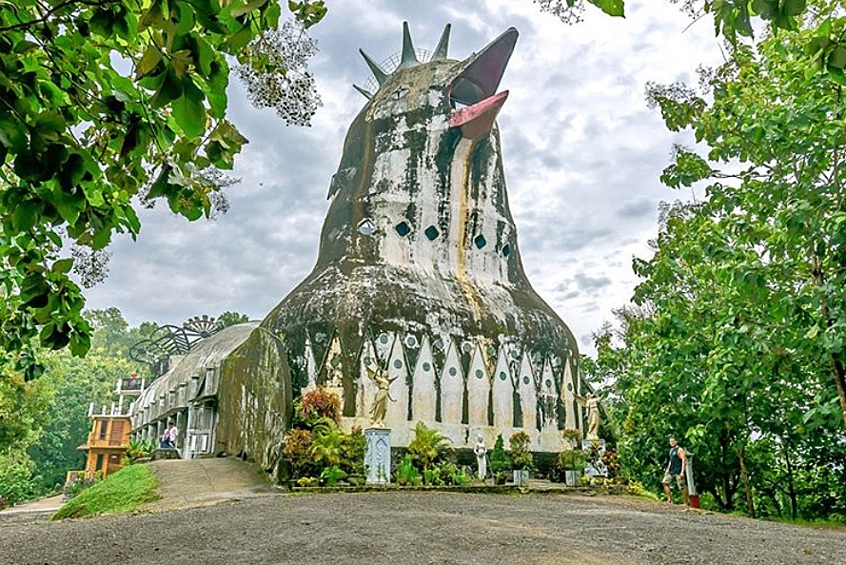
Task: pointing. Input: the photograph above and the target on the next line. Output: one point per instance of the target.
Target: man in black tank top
(676, 467)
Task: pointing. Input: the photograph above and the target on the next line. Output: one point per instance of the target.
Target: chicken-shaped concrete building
(419, 269)
(418, 279)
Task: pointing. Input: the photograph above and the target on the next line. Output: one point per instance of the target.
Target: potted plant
(571, 462)
(521, 458)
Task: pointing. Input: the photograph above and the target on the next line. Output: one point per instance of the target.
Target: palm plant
(427, 447)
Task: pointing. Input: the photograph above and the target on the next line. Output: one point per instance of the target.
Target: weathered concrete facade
(419, 269)
(192, 393)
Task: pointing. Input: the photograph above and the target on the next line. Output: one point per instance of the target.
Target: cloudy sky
(582, 155)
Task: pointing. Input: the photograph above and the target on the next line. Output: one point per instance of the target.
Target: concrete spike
(378, 72)
(409, 57)
(366, 94)
(443, 44)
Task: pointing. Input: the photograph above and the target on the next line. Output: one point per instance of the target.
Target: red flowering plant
(612, 463)
(317, 406)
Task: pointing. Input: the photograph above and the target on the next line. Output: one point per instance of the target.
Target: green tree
(22, 405)
(736, 336)
(105, 105)
(77, 382)
(232, 318)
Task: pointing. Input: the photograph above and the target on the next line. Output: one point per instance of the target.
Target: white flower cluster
(569, 12)
(276, 74)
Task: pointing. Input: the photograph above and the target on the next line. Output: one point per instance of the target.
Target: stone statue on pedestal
(379, 408)
(481, 458)
(592, 404)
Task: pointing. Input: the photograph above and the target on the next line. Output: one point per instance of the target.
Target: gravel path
(412, 527)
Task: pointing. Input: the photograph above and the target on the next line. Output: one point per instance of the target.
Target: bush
(427, 448)
(452, 474)
(611, 462)
(406, 473)
(325, 449)
(316, 405)
(140, 449)
(568, 460)
(296, 450)
(572, 434)
(308, 482)
(17, 481)
(499, 458)
(331, 475)
(572, 460)
(521, 457)
(353, 447)
(326, 445)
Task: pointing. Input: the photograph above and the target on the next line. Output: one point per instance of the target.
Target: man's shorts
(679, 479)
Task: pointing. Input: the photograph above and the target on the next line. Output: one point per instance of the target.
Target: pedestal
(377, 455)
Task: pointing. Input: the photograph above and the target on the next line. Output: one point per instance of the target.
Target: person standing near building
(676, 467)
(172, 434)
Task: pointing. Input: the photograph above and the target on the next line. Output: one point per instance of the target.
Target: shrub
(427, 447)
(331, 475)
(637, 489)
(452, 474)
(521, 457)
(296, 450)
(432, 477)
(406, 473)
(572, 434)
(140, 449)
(326, 445)
(611, 462)
(499, 458)
(572, 460)
(593, 454)
(316, 405)
(353, 447)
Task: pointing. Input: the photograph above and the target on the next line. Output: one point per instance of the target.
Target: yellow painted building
(107, 443)
(108, 439)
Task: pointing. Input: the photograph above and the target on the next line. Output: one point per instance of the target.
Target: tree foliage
(44, 421)
(734, 343)
(105, 106)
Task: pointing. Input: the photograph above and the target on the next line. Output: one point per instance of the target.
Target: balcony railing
(130, 385)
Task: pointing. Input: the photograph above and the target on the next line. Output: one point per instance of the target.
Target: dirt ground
(420, 527)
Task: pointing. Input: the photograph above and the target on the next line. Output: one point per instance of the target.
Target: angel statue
(592, 404)
(379, 408)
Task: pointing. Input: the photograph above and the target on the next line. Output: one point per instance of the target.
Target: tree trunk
(839, 378)
(791, 486)
(744, 474)
(726, 475)
(837, 369)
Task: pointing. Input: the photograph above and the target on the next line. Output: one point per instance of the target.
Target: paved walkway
(31, 511)
(200, 482)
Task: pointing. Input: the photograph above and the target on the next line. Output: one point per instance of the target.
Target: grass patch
(827, 523)
(124, 491)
